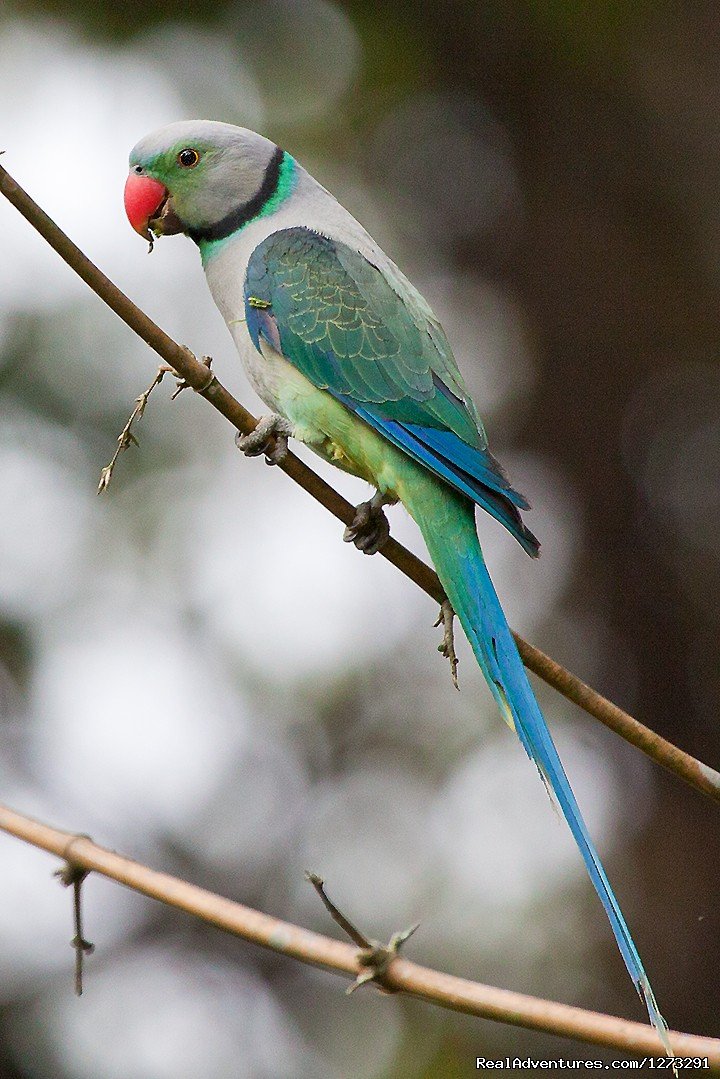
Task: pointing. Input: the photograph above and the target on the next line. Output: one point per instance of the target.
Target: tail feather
(451, 538)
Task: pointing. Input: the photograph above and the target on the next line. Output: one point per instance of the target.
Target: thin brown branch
(195, 374)
(337, 916)
(401, 975)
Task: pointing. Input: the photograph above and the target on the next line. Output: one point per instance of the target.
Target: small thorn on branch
(72, 875)
(374, 957)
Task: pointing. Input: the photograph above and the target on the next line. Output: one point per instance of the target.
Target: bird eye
(188, 158)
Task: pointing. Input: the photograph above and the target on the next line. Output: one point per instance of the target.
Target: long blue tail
(448, 526)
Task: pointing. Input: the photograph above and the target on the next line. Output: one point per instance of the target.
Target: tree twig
(401, 975)
(126, 437)
(73, 876)
(195, 373)
(337, 916)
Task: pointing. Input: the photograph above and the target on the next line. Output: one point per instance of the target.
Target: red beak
(143, 198)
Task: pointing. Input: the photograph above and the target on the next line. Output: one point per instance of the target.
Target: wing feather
(369, 338)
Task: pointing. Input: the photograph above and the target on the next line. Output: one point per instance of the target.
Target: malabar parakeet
(351, 360)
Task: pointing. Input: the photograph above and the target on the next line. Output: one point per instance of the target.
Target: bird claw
(447, 648)
(370, 528)
(270, 437)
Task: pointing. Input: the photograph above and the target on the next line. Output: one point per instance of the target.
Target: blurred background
(197, 672)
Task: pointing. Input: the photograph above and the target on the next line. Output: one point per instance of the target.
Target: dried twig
(73, 876)
(195, 374)
(337, 916)
(447, 648)
(126, 437)
(401, 975)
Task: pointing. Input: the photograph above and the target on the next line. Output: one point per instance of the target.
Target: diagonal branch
(401, 975)
(195, 374)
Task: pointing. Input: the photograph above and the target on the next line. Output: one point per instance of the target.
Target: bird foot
(370, 528)
(270, 437)
(447, 648)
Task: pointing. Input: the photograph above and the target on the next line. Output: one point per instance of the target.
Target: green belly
(346, 441)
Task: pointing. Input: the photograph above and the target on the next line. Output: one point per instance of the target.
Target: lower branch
(400, 975)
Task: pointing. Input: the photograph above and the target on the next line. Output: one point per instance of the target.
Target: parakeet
(352, 361)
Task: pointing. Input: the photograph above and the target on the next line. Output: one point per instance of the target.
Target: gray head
(200, 177)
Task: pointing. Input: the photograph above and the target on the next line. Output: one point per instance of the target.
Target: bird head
(188, 177)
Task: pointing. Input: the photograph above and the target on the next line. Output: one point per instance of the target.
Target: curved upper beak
(143, 198)
(149, 208)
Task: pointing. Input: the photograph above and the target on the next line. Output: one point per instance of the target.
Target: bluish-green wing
(374, 345)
